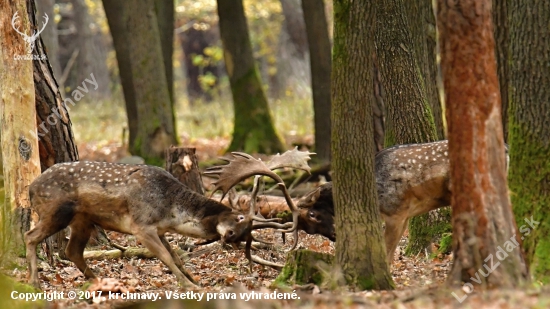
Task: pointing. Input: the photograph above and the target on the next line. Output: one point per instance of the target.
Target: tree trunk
(303, 267)
(529, 134)
(253, 131)
(92, 56)
(408, 115)
(54, 128)
(482, 217)
(320, 64)
(18, 120)
(421, 19)
(117, 18)
(182, 163)
(500, 20)
(165, 18)
(49, 36)
(155, 117)
(409, 118)
(360, 250)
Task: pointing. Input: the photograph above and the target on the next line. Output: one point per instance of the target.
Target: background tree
(138, 29)
(529, 137)
(500, 21)
(50, 36)
(360, 250)
(408, 117)
(320, 63)
(91, 56)
(18, 117)
(421, 18)
(253, 130)
(481, 206)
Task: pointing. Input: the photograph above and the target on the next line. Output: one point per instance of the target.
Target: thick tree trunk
(500, 20)
(49, 36)
(360, 250)
(482, 217)
(18, 121)
(408, 115)
(54, 129)
(117, 18)
(155, 119)
(529, 125)
(165, 18)
(253, 130)
(320, 64)
(421, 19)
(402, 62)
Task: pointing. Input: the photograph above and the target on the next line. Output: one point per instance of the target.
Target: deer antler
(291, 158)
(242, 166)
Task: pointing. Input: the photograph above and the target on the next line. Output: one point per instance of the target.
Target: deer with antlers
(147, 202)
(30, 40)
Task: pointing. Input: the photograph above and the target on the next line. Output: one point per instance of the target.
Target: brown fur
(141, 200)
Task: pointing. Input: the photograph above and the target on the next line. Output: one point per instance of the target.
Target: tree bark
(360, 250)
(302, 267)
(165, 18)
(402, 62)
(420, 15)
(117, 18)
(500, 21)
(49, 36)
(482, 217)
(54, 128)
(18, 121)
(408, 115)
(320, 64)
(529, 125)
(253, 129)
(155, 117)
(182, 163)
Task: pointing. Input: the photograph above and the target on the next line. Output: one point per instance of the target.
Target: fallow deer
(411, 180)
(142, 200)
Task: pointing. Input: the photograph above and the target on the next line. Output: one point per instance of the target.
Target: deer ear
(309, 199)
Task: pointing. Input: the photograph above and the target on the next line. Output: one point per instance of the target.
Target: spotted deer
(411, 180)
(144, 201)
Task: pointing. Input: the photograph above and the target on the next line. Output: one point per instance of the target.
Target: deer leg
(80, 234)
(45, 228)
(176, 258)
(151, 240)
(394, 230)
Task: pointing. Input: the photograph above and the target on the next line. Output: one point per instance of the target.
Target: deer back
(123, 197)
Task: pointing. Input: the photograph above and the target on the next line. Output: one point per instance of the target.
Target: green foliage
(446, 243)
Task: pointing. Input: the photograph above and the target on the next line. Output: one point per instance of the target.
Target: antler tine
(255, 190)
(291, 158)
(239, 167)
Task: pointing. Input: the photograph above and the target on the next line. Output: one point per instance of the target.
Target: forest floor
(223, 272)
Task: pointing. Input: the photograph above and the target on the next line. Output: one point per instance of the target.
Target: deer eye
(312, 214)
(240, 218)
